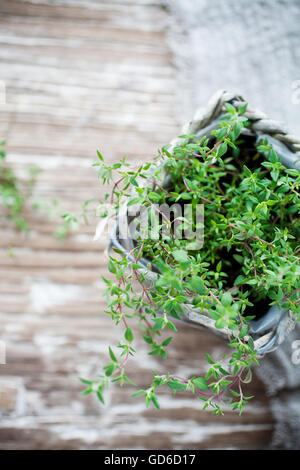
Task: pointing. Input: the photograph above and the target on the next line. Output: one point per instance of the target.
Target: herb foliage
(248, 262)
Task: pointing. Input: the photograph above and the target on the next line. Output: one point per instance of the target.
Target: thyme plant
(13, 195)
(249, 259)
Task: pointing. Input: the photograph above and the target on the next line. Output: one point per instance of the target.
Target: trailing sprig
(13, 196)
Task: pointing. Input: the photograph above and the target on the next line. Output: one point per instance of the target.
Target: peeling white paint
(45, 294)
(48, 343)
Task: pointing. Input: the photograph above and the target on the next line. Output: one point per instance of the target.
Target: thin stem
(114, 187)
(252, 255)
(250, 236)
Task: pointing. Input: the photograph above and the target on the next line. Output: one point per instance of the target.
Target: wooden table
(79, 78)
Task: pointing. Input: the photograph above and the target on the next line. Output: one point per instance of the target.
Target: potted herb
(225, 258)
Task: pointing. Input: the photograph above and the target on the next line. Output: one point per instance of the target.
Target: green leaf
(220, 133)
(112, 356)
(100, 156)
(147, 339)
(155, 401)
(137, 266)
(133, 181)
(138, 393)
(239, 258)
(109, 370)
(112, 267)
(273, 156)
(247, 171)
(171, 326)
(116, 166)
(236, 130)
(159, 323)
(100, 396)
(176, 385)
(197, 284)
(181, 256)
(135, 200)
(167, 341)
(201, 383)
(129, 335)
(274, 175)
(222, 149)
(243, 108)
(220, 323)
(86, 382)
(229, 108)
(227, 299)
(209, 359)
(154, 197)
(243, 331)
(129, 381)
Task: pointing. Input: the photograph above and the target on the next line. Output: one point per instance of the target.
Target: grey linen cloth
(251, 48)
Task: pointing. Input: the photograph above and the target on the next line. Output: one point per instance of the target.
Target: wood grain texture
(81, 76)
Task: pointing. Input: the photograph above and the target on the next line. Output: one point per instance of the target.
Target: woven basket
(275, 325)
